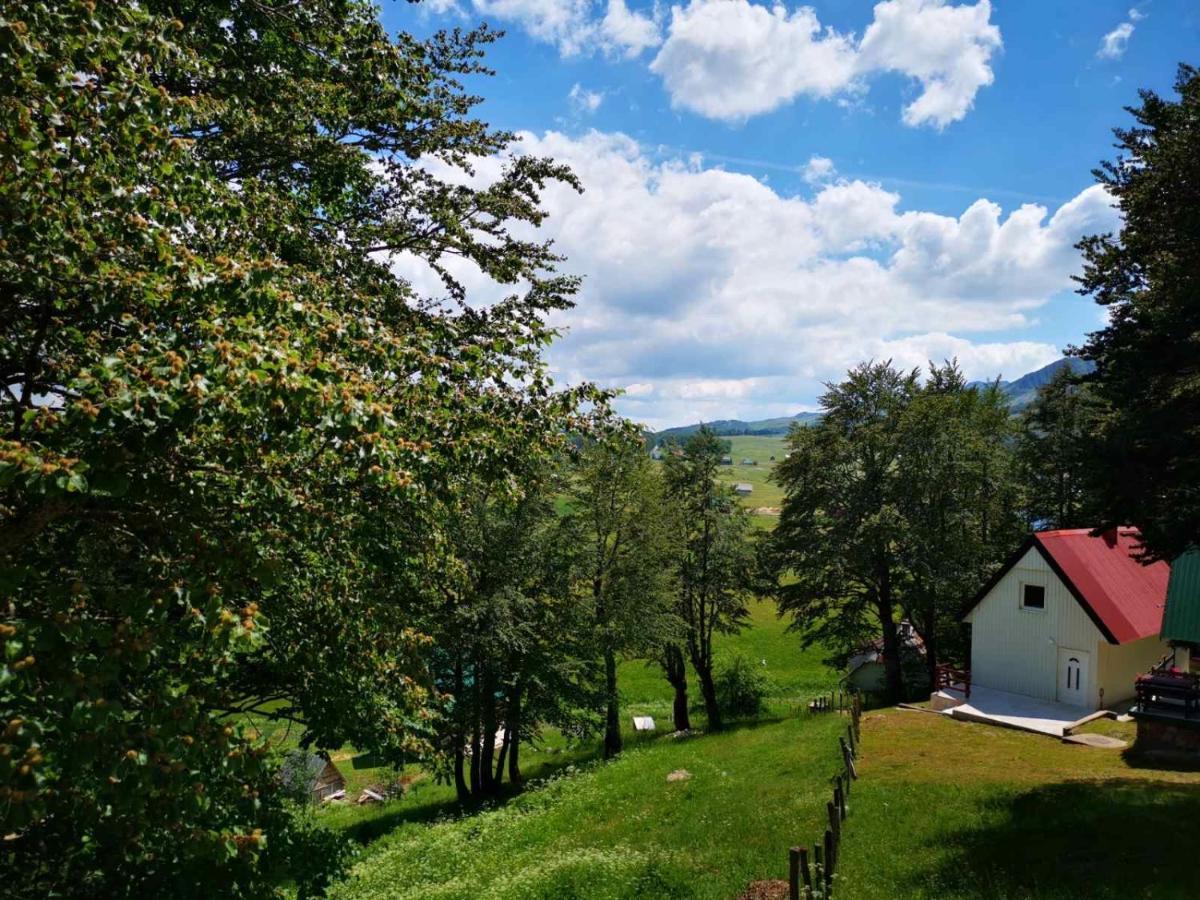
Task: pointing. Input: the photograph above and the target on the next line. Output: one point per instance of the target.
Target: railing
(948, 678)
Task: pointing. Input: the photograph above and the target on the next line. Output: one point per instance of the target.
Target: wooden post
(819, 868)
(830, 861)
(840, 794)
(794, 873)
(805, 873)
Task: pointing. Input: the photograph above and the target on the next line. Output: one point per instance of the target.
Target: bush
(741, 688)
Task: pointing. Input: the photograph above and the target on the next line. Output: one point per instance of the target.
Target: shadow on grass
(1101, 839)
(414, 811)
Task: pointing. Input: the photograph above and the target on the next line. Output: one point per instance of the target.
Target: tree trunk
(929, 636)
(708, 690)
(676, 669)
(488, 717)
(891, 646)
(612, 724)
(514, 730)
(476, 743)
(460, 737)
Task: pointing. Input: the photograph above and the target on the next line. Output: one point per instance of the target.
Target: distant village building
(311, 775)
(1070, 618)
(743, 489)
(727, 460)
(749, 462)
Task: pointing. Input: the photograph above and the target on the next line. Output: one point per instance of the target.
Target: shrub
(741, 688)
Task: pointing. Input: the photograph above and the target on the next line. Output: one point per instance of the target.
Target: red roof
(1124, 598)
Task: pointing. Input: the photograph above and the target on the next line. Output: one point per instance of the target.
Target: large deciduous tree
(619, 529)
(1148, 355)
(714, 562)
(230, 435)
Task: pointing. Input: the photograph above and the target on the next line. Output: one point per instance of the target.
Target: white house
(743, 489)
(1070, 618)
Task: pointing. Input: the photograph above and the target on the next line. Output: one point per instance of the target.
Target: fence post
(805, 874)
(830, 861)
(819, 868)
(794, 874)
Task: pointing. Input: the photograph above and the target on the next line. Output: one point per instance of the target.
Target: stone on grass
(679, 775)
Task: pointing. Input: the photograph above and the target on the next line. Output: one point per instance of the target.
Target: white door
(1072, 676)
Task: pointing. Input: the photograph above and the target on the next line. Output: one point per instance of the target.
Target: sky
(774, 193)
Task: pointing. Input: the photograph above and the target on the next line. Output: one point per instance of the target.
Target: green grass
(621, 829)
(949, 809)
(793, 671)
(759, 449)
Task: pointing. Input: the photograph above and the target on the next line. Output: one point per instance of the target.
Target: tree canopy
(1147, 357)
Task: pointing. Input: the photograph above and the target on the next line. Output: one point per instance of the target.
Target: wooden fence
(811, 875)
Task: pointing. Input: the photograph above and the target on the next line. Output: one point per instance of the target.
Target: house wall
(1122, 663)
(1016, 650)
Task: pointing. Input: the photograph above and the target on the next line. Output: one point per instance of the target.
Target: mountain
(735, 427)
(1021, 393)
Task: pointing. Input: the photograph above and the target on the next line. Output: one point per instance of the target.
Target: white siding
(1016, 650)
(1121, 664)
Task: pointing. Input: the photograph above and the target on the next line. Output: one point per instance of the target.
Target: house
(749, 462)
(312, 776)
(1070, 618)
(743, 489)
(866, 670)
(727, 460)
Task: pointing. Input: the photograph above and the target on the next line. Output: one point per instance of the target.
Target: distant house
(743, 489)
(867, 672)
(1070, 618)
(312, 776)
(727, 460)
(749, 462)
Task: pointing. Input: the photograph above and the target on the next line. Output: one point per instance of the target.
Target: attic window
(1033, 596)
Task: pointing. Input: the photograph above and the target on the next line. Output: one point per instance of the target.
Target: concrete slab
(1096, 740)
(1016, 711)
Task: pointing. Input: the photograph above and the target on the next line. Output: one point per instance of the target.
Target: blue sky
(776, 192)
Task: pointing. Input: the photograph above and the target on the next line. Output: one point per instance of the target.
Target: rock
(679, 775)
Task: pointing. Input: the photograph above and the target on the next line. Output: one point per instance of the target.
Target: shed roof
(1181, 619)
(1123, 597)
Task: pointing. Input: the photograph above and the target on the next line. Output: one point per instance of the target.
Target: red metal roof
(1123, 596)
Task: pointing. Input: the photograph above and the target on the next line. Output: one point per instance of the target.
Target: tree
(1147, 277)
(230, 436)
(958, 496)
(835, 556)
(1053, 451)
(617, 525)
(713, 563)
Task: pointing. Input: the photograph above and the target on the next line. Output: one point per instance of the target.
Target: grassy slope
(622, 830)
(950, 809)
(759, 449)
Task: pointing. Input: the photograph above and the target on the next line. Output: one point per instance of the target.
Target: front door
(1072, 676)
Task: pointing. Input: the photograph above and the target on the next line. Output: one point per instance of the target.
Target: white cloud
(731, 59)
(709, 295)
(1114, 44)
(575, 26)
(584, 101)
(818, 169)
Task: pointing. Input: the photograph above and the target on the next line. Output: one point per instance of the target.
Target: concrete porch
(1013, 711)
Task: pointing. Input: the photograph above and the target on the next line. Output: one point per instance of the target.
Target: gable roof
(1181, 621)
(1124, 598)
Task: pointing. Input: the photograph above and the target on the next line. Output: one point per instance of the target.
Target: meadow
(947, 809)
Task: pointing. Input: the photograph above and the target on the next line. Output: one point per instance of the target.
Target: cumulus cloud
(818, 169)
(708, 294)
(731, 59)
(584, 101)
(576, 26)
(1113, 44)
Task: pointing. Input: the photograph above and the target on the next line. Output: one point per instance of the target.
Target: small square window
(1033, 596)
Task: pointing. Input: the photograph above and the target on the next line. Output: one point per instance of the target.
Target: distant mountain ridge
(1021, 392)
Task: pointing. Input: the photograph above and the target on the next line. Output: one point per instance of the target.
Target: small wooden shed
(312, 775)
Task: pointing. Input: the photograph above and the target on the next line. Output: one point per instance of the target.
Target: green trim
(1181, 618)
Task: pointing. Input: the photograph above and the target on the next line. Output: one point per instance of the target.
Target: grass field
(760, 450)
(949, 809)
(622, 830)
